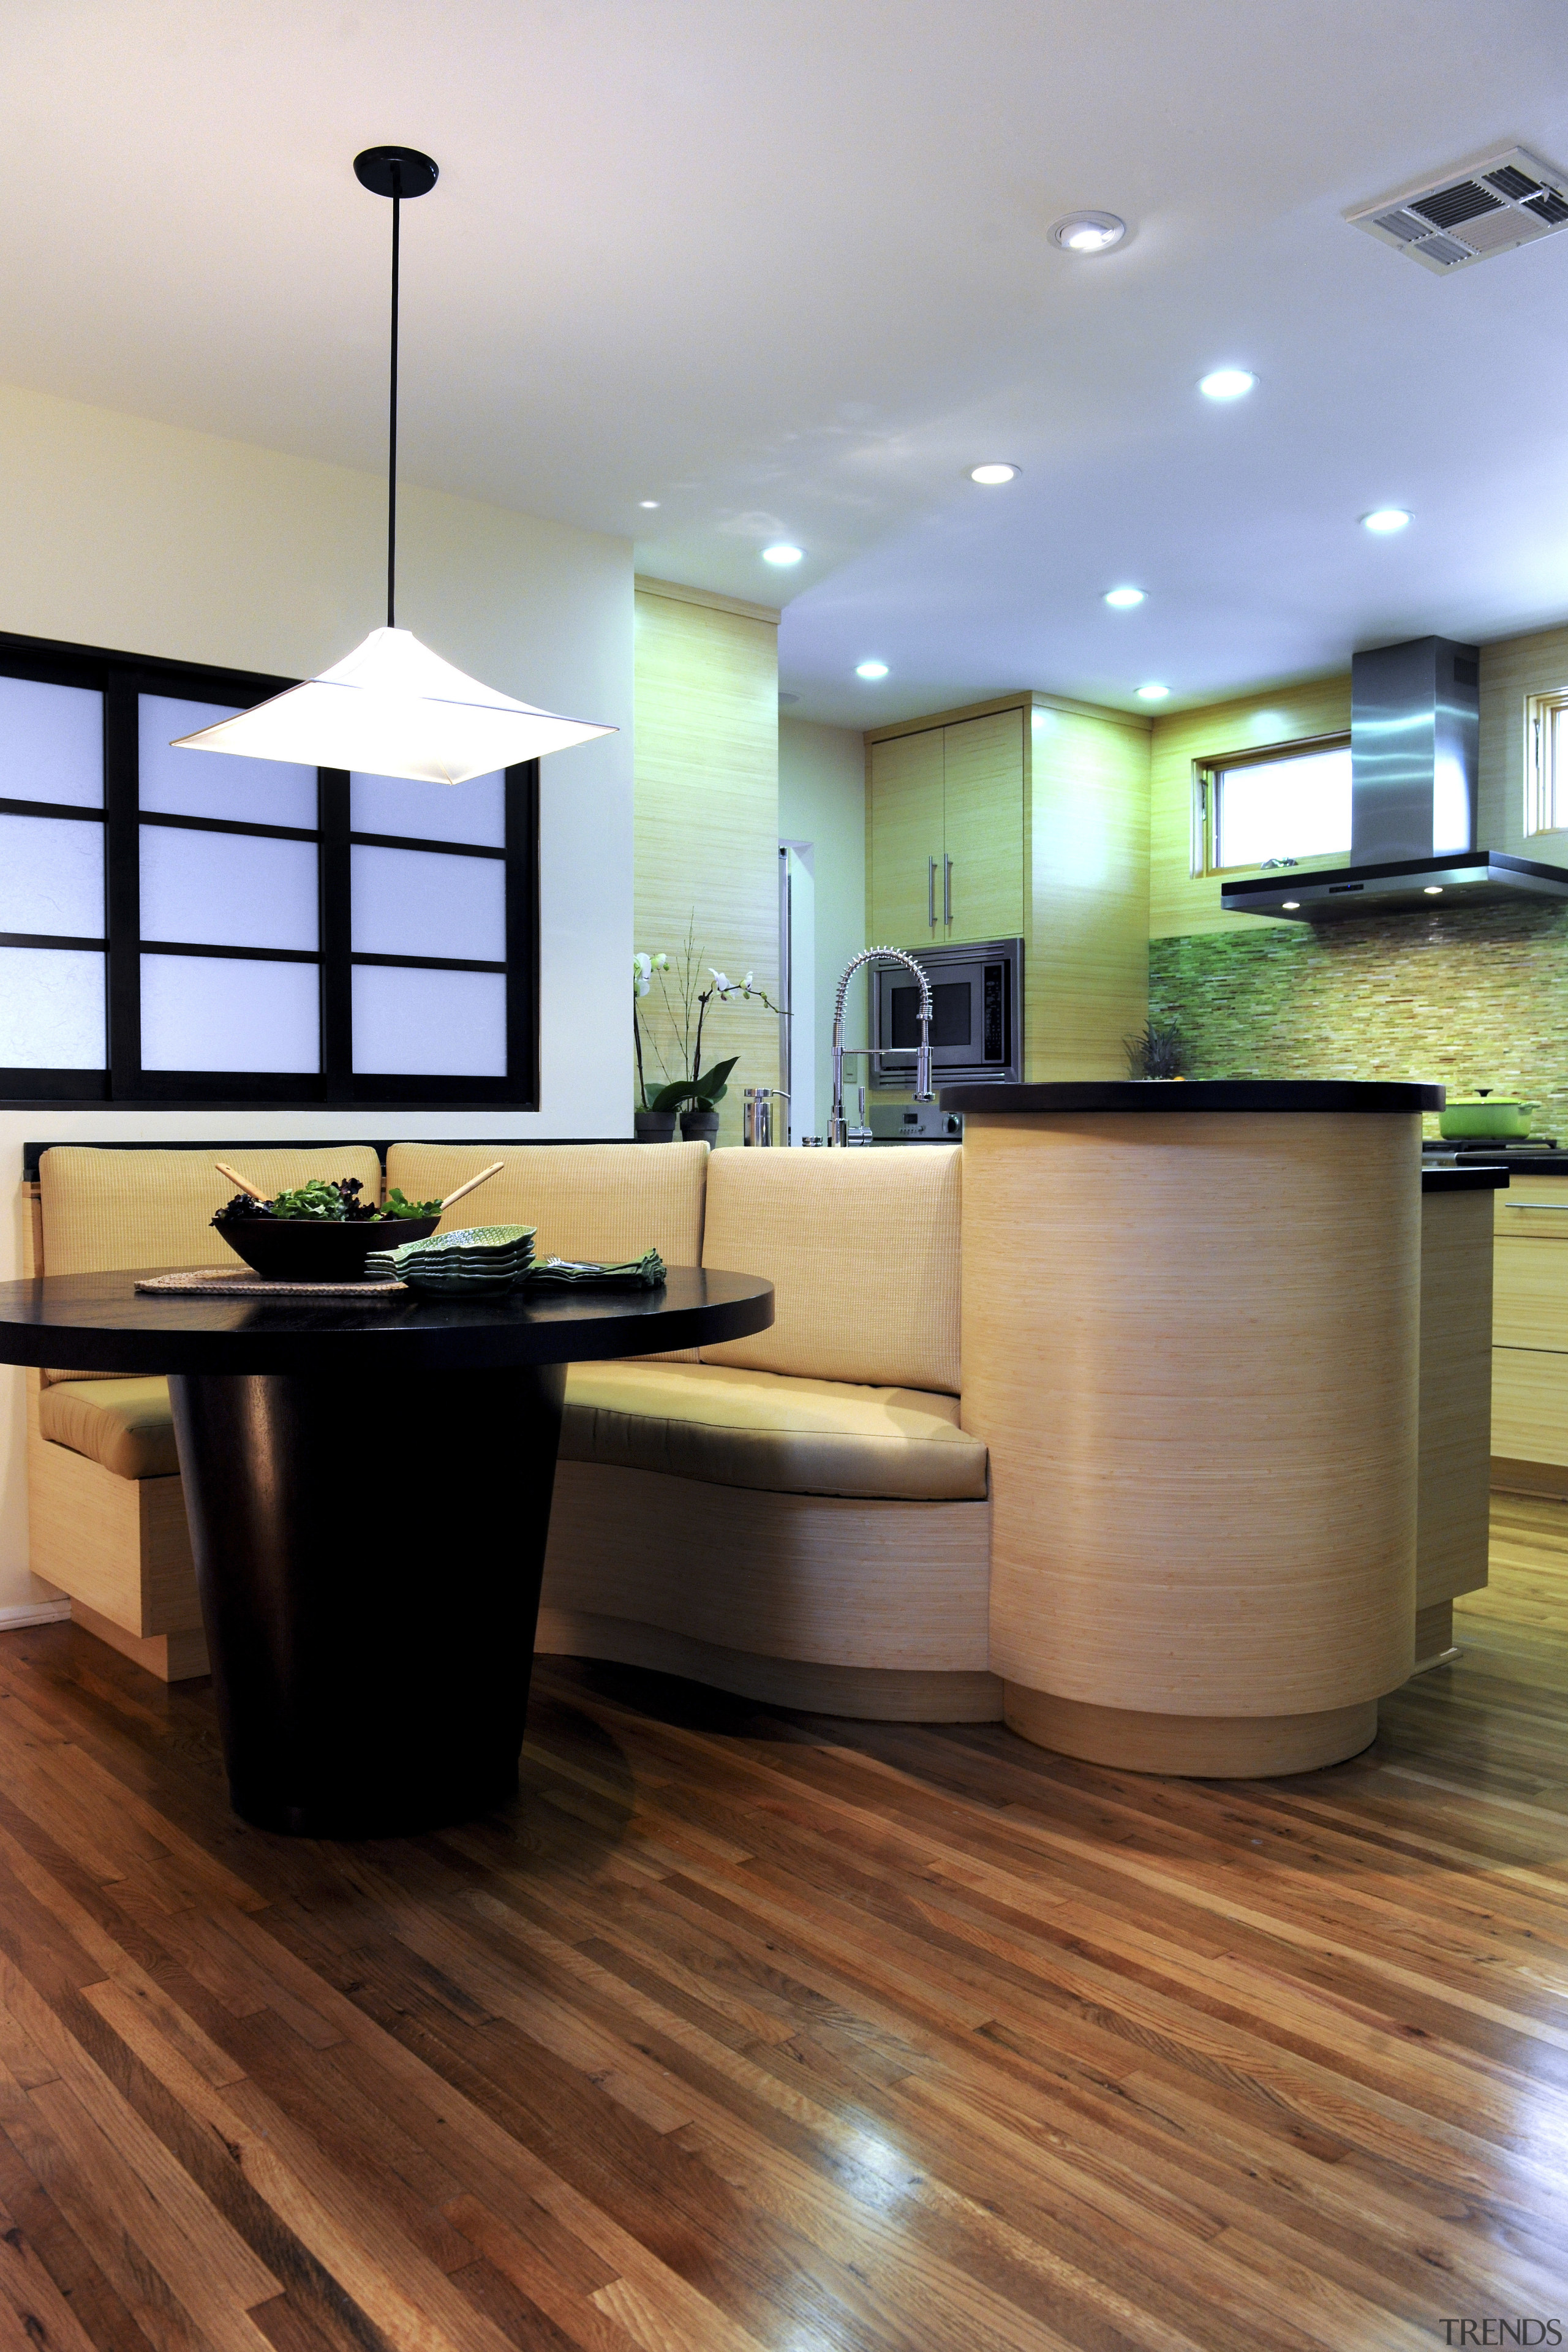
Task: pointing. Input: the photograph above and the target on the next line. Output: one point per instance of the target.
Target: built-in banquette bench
(799, 1517)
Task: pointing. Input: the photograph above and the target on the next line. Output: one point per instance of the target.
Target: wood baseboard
(173, 1657)
(874, 1694)
(1195, 1747)
(1549, 1478)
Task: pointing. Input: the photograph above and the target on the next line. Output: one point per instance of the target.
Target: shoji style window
(181, 926)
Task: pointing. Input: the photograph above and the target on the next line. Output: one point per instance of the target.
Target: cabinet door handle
(931, 892)
(947, 889)
(1538, 1208)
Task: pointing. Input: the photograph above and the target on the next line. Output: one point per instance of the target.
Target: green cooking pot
(1485, 1113)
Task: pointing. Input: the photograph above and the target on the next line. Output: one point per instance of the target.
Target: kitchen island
(1191, 1335)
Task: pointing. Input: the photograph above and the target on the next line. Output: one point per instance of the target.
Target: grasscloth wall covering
(1466, 999)
(707, 832)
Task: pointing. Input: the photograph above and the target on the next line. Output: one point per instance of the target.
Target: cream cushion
(861, 1248)
(104, 1210)
(730, 1427)
(125, 1424)
(609, 1201)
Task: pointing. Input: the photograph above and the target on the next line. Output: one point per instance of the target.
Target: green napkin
(645, 1273)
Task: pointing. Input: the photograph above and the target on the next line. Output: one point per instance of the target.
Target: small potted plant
(1158, 1051)
(693, 1094)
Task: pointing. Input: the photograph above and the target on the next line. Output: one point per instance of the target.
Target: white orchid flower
(723, 985)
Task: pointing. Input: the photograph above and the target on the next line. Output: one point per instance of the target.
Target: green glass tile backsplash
(1469, 998)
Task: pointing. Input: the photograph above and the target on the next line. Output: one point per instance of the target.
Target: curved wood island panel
(1190, 1329)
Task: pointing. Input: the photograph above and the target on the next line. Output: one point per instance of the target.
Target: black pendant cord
(395, 171)
(392, 424)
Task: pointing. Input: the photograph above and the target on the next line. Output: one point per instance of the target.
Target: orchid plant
(684, 1004)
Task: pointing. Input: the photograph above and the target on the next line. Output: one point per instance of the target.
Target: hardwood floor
(745, 2031)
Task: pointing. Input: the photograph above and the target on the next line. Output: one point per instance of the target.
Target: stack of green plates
(478, 1263)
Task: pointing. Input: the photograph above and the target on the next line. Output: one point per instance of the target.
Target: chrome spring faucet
(838, 1127)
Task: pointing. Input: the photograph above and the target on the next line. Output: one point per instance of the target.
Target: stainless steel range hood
(1414, 743)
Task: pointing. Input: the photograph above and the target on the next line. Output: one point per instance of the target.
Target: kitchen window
(1288, 803)
(188, 928)
(1546, 763)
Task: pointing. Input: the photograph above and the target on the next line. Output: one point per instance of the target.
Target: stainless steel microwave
(977, 1016)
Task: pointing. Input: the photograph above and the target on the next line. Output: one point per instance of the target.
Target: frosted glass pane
(436, 1025)
(52, 876)
(1297, 807)
(416, 902)
(215, 783)
(227, 891)
(222, 1012)
(51, 745)
(472, 811)
(51, 1009)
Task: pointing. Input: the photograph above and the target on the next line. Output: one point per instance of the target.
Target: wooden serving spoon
(472, 1185)
(244, 1183)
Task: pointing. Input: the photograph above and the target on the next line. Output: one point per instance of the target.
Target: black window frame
(120, 679)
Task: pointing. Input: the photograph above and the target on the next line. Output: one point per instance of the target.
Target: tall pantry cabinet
(1027, 817)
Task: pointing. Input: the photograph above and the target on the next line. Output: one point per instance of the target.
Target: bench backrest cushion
(862, 1249)
(609, 1201)
(103, 1209)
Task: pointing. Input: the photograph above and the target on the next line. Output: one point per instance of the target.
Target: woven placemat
(216, 1282)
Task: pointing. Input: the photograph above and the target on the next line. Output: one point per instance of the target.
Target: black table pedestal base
(369, 1563)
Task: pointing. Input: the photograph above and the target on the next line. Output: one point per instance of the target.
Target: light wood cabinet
(981, 894)
(904, 839)
(1530, 1332)
(945, 833)
(1024, 818)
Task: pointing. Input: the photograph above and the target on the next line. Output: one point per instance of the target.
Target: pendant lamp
(393, 708)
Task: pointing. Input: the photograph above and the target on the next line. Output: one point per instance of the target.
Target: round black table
(368, 1487)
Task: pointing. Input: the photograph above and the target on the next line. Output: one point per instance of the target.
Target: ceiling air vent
(1509, 198)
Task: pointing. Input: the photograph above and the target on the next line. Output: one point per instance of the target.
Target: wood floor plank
(741, 2031)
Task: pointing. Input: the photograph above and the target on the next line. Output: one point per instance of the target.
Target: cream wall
(822, 799)
(707, 813)
(148, 539)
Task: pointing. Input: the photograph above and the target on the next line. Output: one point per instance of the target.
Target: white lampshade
(391, 707)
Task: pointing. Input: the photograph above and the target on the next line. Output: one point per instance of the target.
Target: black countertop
(1197, 1095)
(1463, 1180)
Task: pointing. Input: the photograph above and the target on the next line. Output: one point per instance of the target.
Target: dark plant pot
(699, 1126)
(317, 1249)
(654, 1125)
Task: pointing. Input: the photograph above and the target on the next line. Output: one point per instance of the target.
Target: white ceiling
(785, 266)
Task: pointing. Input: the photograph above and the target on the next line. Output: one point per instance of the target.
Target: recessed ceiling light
(648, 502)
(1291, 905)
(1433, 890)
(1227, 384)
(870, 669)
(1383, 519)
(782, 553)
(999, 472)
(1122, 600)
(1089, 232)
(1153, 693)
